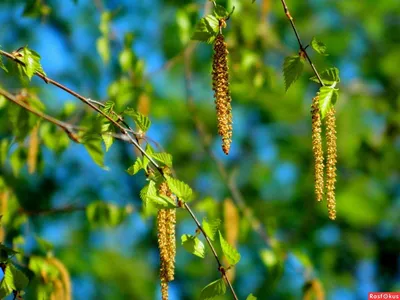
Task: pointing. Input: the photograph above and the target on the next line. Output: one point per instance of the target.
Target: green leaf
(31, 61)
(164, 158)
(149, 195)
(126, 59)
(103, 214)
(220, 12)
(329, 77)
(106, 134)
(231, 254)
(327, 98)
(93, 147)
(13, 279)
(136, 167)
(108, 108)
(206, 29)
(318, 46)
(251, 297)
(103, 48)
(214, 289)
(193, 245)
(179, 188)
(211, 227)
(141, 121)
(292, 69)
(2, 64)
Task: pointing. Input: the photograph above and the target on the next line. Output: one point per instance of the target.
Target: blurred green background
(270, 164)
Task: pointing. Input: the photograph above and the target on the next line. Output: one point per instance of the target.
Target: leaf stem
(302, 48)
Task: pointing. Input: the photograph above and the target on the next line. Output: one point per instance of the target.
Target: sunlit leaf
(329, 76)
(318, 46)
(327, 98)
(142, 121)
(179, 188)
(214, 289)
(193, 245)
(292, 69)
(211, 227)
(164, 158)
(231, 254)
(206, 29)
(136, 167)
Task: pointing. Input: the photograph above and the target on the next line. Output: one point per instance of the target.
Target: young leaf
(136, 167)
(292, 69)
(164, 158)
(106, 134)
(31, 61)
(93, 147)
(179, 188)
(329, 76)
(149, 195)
(220, 12)
(318, 46)
(327, 98)
(193, 245)
(161, 201)
(141, 121)
(251, 297)
(206, 29)
(231, 254)
(211, 227)
(214, 289)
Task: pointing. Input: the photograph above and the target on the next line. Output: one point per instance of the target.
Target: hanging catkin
(317, 149)
(222, 96)
(330, 123)
(166, 220)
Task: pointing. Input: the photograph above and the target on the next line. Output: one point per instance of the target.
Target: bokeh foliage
(116, 51)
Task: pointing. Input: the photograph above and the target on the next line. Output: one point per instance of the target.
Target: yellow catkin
(58, 292)
(166, 220)
(231, 227)
(330, 123)
(220, 79)
(3, 210)
(162, 245)
(317, 149)
(33, 150)
(64, 276)
(314, 290)
(143, 105)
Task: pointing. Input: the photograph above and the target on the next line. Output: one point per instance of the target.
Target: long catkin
(330, 123)
(317, 149)
(220, 79)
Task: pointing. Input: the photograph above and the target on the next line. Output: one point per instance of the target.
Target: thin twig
(302, 48)
(68, 128)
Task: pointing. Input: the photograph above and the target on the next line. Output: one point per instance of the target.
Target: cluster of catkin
(220, 82)
(166, 220)
(331, 157)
